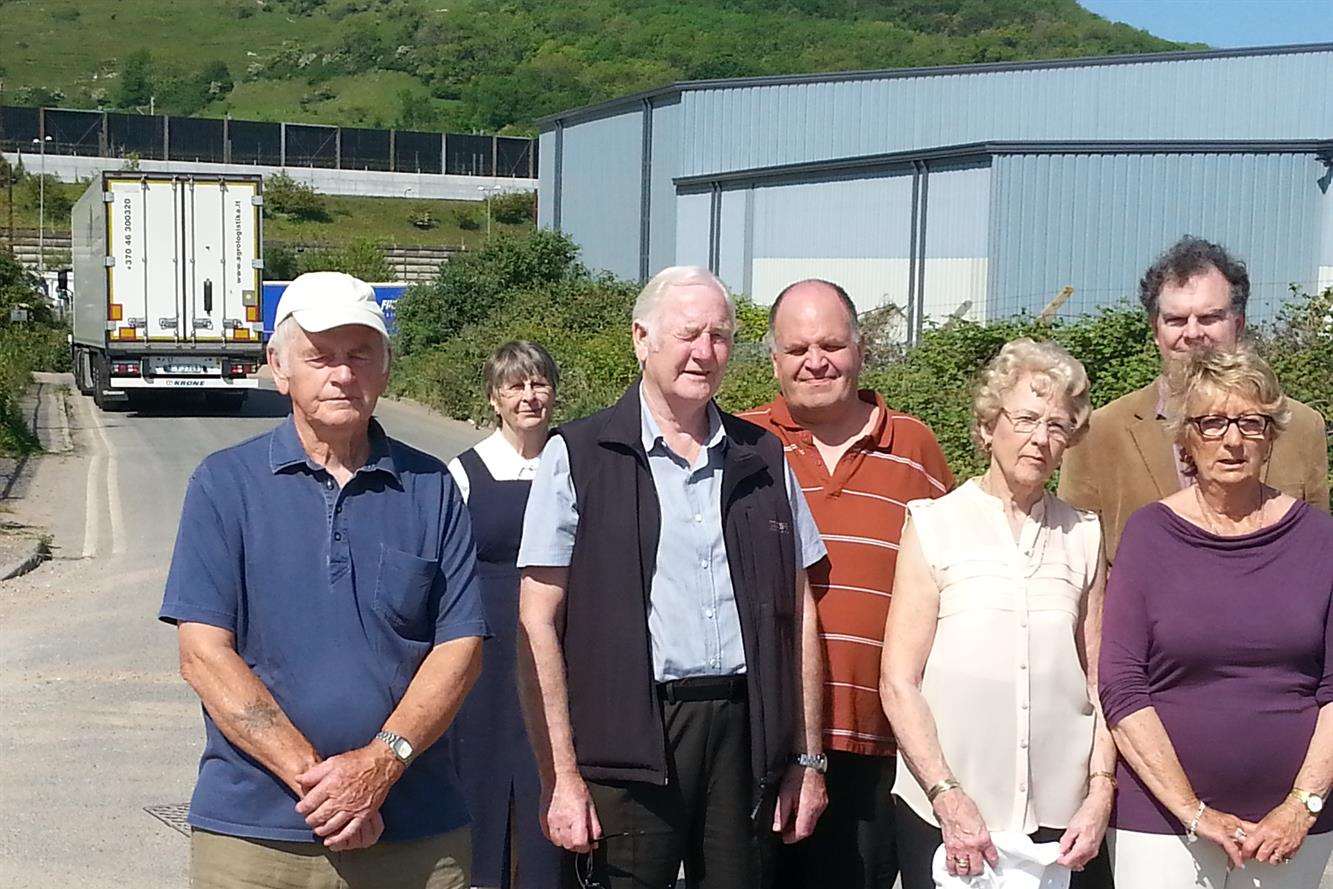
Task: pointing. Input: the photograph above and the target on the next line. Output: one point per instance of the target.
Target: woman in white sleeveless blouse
(991, 643)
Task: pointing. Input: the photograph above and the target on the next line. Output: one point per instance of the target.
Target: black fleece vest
(613, 704)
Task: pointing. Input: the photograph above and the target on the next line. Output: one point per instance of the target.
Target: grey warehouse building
(976, 190)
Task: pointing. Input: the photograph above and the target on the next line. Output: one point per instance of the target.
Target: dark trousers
(701, 817)
(854, 844)
(918, 840)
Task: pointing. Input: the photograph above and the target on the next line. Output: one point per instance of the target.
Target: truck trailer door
(221, 281)
(144, 242)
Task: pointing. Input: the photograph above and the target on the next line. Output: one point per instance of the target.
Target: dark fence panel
(512, 157)
(197, 139)
(311, 146)
(253, 142)
(416, 152)
(468, 155)
(139, 134)
(76, 132)
(114, 134)
(18, 127)
(364, 149)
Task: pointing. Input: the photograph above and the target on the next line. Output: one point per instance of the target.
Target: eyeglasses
(1025, 424)
(539, 387)
(583, 861)
(1214, 426)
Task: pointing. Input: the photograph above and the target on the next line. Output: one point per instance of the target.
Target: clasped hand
(342, 795)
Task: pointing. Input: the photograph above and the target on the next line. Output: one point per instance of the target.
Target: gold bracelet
(946, 785)
(1109, 776)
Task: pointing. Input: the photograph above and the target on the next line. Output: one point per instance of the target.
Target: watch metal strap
(392, 739)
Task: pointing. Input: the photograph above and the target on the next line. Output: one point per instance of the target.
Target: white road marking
(105, 465)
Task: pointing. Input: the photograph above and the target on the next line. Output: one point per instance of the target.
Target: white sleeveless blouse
(1003, 678)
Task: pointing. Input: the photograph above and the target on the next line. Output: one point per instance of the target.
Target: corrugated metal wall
(855, 232)
(1095, 222)
(1247, 97)
(693, 221)
(601, 180)
(1326, 224)
(957, 241)
(665, 152)
(546, 179)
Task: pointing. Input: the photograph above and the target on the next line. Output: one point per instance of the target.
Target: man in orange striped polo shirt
(858, 462)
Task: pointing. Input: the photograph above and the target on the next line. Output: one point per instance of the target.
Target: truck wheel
(83, 371)
(101, 373)
(225, 402)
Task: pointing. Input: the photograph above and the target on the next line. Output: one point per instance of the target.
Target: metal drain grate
(172, 815)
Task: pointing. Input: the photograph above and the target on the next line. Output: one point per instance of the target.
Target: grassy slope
(383, 220)
(520, 55)
(63, 44)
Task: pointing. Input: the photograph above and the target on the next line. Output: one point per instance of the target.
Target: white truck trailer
(167, 284)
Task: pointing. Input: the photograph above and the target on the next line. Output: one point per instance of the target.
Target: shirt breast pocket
(402, 593)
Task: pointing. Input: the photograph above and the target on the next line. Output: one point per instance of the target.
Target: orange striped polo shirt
(860, 513)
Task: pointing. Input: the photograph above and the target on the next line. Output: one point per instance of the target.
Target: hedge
(534, 288)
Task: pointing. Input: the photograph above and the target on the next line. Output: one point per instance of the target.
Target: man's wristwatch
(1313, 802)
(401, 747)
(816, 761)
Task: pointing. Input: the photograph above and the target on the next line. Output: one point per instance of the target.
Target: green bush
(514, 207)
(289, 199)
(362, 258)
(474, 285)
(467, 218)
(280, 262)
(56, 202)
(535, 288)
(25, 348)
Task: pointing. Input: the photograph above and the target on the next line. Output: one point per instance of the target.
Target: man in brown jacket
(1195, 296)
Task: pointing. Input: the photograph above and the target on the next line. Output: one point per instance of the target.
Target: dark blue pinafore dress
(491, 748)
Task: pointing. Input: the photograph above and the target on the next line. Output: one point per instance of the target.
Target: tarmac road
(95, 722)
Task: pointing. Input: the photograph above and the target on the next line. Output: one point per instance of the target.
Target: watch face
(1314, 803)
(402, 749)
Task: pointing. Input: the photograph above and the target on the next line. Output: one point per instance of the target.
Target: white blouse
(1003, 678)
(503, 462)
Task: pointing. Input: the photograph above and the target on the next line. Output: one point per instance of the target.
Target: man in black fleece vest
(670, 666)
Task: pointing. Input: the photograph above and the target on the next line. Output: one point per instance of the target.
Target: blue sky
(1225, 23)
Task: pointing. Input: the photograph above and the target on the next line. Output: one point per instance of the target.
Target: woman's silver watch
(816, 761)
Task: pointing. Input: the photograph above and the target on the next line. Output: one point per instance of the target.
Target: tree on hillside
(135, 86)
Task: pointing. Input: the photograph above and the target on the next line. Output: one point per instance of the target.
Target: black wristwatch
(816, 761)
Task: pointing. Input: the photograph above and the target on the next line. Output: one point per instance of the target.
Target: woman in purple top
(1217, 654)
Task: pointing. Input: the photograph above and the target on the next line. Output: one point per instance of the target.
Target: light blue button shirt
(692, 617)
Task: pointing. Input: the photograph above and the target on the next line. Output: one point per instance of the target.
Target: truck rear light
(252, 313)
(240, 368)
(240, 333)
(125, 369)
(127, 333)
(114, 312)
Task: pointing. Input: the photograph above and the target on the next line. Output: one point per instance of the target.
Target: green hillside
(485, 65)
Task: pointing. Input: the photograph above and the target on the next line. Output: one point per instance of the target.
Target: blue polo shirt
(335, 595)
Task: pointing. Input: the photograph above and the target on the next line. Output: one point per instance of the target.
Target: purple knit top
(1230, 640)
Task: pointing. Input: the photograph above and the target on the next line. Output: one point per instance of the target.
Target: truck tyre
(83, 371)
(225, 402)
(101, 379)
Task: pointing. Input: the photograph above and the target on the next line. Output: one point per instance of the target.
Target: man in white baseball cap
(329, 618)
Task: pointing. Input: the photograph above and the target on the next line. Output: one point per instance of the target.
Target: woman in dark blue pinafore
(495, 760)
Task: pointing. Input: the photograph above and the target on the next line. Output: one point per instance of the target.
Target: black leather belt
(703, 688)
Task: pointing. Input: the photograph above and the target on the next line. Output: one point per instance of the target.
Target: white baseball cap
(324, 300)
